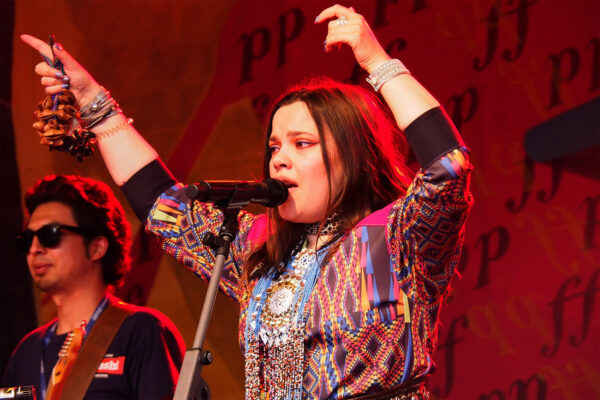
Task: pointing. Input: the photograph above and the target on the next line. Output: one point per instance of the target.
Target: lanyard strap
(99, 309)
(50, 332)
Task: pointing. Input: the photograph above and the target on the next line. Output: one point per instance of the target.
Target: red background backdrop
(521, 79)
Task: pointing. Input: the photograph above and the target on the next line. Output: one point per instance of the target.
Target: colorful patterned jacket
(373, 315)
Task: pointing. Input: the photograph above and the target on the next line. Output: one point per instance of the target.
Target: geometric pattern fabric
(372, 316)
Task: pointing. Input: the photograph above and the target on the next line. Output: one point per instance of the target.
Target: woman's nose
(280, 159)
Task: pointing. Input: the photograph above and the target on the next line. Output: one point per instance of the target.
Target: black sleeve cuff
(144, 187)
(432, 135)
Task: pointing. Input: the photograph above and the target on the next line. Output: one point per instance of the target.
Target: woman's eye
(273, 149)
(302, 143)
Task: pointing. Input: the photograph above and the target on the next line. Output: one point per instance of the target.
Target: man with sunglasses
(77, 244)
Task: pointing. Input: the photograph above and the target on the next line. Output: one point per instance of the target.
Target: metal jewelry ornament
(274, 351)
(101, 107)
(342, 20)
(277, 317)
(385, 72)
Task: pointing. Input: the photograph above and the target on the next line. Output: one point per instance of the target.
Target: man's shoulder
(145, 317)
(145, 327)
(35, 335)
(29, 348)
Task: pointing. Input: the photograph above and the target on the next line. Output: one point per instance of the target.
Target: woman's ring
(342, 20)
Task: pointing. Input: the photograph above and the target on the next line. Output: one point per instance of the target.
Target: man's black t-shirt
(143, 360)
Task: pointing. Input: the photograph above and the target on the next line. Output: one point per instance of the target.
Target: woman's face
(297, 160)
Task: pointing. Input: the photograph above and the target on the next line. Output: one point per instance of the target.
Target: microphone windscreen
(278, 192)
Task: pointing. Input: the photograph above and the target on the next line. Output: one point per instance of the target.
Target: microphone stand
(190, 385)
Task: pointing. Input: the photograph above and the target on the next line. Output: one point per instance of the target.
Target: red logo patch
(112, 366)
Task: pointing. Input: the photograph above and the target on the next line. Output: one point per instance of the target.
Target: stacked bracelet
(101, 107)
(385, 72)
(111, 131)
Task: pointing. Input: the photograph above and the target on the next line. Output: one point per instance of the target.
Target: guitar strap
(93, 350)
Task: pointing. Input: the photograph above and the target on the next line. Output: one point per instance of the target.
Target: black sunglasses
(48, 236)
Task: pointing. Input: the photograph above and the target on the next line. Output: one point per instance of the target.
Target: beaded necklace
(274, 335)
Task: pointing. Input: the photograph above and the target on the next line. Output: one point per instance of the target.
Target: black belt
(411, 390)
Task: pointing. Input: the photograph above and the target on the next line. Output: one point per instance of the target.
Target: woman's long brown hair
(374, 170)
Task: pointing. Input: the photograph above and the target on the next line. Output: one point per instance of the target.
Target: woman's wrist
(101, 107)
(86, 97)
(386, 71)
(375, 62)
(109, 123)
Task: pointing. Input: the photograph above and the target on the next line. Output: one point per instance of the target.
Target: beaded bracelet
(385, 72)
(111, 131)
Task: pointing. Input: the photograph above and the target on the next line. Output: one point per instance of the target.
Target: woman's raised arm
(123, 149)
(405, 96)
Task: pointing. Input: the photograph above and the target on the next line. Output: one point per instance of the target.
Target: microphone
(18, 392)
(269, 192)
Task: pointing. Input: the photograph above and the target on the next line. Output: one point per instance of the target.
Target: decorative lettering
(542, 195)
(448, 347)
(292, 21)
(558, 310)
(528, 177)
(491, 252)
(255, 46)
(493, 28)
(456, 109)
(566, 65)
(571, 57)
(592, 220)
(594, 44)
(522, 389)
(522, 11)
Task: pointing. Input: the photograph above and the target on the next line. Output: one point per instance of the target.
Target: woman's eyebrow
(293, 134)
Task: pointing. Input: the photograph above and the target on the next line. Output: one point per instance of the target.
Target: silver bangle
(99, 99)
(385, 72)
(101, 107)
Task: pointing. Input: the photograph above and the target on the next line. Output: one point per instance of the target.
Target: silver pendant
(280, 301)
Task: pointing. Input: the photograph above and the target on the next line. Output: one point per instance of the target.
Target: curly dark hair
(96, 210)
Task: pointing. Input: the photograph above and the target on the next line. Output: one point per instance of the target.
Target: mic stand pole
(190, 384)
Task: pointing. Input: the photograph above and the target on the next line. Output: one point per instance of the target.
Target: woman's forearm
(123, 149)
(407, 99)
